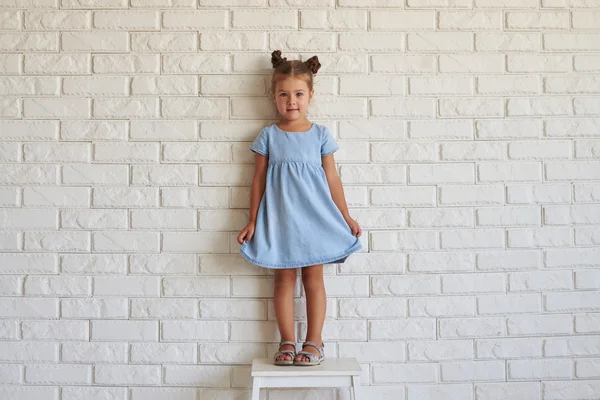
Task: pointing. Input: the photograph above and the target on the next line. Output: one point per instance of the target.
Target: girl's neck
(291, 126)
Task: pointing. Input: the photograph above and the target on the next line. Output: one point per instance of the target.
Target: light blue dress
(297, 224)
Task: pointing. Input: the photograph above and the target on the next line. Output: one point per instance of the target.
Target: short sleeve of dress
(328, 143)
(260, 144)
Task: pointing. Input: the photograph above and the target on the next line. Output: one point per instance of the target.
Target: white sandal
(313, 359)
(291, 353)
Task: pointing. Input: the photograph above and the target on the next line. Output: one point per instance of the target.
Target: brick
(94, 309)
(470, 107)
(445, 86)
(30, 42)
(402, 64)
(57, 108)
(586, 63)
(440, 42)
(471, 20)
(540, 369)
(194, 63)
(473, 283)
(233, 309)
(266, 20)
(538, 63)
(453, 328)
(569, 390)
(448, 129)
(569, 347)
(427, 218)
(93, 130)
(407, 373)
(571, 42)
(400, 329)
(471, 195)
(399, 153)
(58, 374)
(256, 41)
(585, 105)
(163, 309)
(441, 173)
(506, 3)
(371, 308)
(130, 20)
(465, 371)
(175, 353)
(574, 84)
(373, 41)
(94, 41)
(571, 127)
(586, 192)
(543, 237)
(57, 286)
(194, 20)
(201, 107)
(507, 42)
(542, 280)
(130, 331)
(342, 20)
(15, 86)
(164, 42)
(472, 239)
(508, 216)
(546, 150)
(410, 108)
(399, 196)
(163, 219)
(194, 331)
(537, 106)
(93, 393)
(404, 285)
(441, 262)
(371, 85)
(386, 20)
(573, 302)
(512, 172)
(453, 306)
(133, 286)
(94, 352)
(94, 3)
(536, 20)
(127, 374)
(539, 325)
(509, 85)
(201, 242)
(96, 86)
(575, 170)
(439, 391)
(125, 108)
(61, 241)
(120, 63)
(55, 330)
(472, 151)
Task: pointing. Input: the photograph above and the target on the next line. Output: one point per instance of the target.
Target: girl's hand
(356, 230)
(246, 233)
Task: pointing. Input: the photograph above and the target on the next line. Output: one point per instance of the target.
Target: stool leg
(256, 389)
(356, 388)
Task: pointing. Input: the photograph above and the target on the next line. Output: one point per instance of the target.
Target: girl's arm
(337, 192)
(256, 193)
(258, 184)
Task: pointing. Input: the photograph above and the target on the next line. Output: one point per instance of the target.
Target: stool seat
(333, 372)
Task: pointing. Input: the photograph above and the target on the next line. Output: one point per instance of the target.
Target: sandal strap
(321, 349)
(287, 342)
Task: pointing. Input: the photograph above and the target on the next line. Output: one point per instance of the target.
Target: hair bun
(313, 64)
(276, 58)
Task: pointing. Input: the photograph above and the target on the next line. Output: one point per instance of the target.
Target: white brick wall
(470, 154)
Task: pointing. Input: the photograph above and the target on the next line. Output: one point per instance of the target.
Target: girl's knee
(312, 277)
(285, 277)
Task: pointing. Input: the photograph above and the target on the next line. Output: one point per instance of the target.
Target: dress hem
(357, 246)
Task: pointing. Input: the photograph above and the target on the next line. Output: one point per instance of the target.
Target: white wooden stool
(333, 372)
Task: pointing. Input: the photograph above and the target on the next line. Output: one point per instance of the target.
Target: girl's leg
(283, 299)
(316, 305)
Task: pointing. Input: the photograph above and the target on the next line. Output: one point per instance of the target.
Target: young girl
(302, 221)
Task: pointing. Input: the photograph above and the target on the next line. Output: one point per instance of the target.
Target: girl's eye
(299, 94)
(283, 94)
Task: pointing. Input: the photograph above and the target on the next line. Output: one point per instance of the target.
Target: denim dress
(298, 223)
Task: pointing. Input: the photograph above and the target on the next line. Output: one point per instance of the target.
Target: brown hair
(285, 69)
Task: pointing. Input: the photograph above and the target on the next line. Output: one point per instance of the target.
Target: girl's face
(292, 97)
